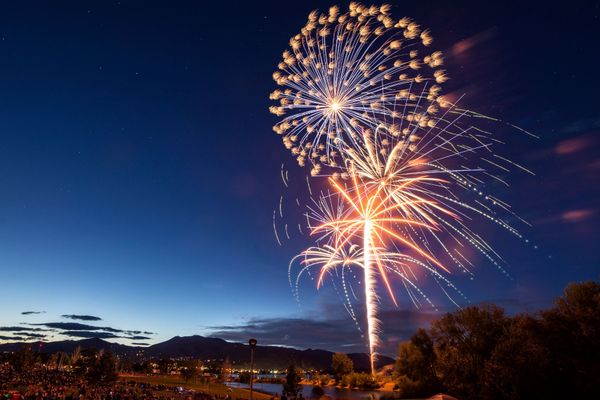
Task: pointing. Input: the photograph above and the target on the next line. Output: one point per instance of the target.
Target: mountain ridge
(206, 348)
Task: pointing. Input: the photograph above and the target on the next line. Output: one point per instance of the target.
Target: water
(333, 392)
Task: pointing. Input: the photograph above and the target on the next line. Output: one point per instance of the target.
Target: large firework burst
(343, 70)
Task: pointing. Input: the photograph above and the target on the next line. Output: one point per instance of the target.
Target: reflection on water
(336, 393)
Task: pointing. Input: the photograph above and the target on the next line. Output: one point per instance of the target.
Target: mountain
(238, 353)
(67, 346)
(206, 348)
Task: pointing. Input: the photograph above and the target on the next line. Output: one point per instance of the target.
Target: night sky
(139, 171)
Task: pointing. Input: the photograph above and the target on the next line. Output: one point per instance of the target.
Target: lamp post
(252, 343)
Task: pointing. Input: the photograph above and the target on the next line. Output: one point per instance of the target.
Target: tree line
(480, 352)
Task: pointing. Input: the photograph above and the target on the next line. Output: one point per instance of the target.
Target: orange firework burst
(372, 218)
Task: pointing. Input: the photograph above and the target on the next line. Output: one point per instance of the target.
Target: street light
(252, 343)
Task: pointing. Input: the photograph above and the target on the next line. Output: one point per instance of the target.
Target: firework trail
(361, 103)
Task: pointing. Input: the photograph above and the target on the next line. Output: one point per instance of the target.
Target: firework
(355, 227)
(406, 166)
(344, 70)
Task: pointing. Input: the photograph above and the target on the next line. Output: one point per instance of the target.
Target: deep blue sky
(139, 172)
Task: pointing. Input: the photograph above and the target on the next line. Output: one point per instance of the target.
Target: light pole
(252, 343)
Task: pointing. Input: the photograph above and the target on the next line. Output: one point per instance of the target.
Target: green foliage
(361, 380)
(324, 380)
(414, 371)
(320, 379)
(341, 365)
(407, 387)
(343, 381)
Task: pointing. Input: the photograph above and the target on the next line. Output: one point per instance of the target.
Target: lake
(333, 392)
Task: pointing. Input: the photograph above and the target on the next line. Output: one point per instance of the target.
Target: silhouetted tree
(518, 365)
(101, 369)
(414, 370)
(245, 377)
(24, 359)
(190, 370)
(571, 333)
(480, 353)
(463, 341)
(164, 366)
(293, 378)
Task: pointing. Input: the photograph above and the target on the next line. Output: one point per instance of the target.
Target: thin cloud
(76, 326)
(574, 145)
(81, 317)
(91, 334)
(2, 337)
(33, 335)
(582, 125)
(334, 330)
(32, 312)
(467, 44)
(580, 215)
(20, 329)
(139, 333)
(80, 330)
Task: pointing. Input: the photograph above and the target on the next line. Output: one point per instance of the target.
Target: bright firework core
(335, 106)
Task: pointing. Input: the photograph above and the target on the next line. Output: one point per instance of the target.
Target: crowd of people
(49, 384)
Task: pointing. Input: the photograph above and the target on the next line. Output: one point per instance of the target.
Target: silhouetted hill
(207, 348)
(238, 353)
(67, 346)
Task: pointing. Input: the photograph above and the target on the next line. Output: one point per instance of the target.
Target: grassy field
(212, 388)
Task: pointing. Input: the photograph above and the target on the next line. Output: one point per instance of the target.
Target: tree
(414, 369)
(572, 337)
(164, 366)
(362, 380)
(320, 379)
(125, 364)
(518, 366)
(24, 359)
(341, 365)
(463, 341)
(101, 368)
(189, 370)
(293, 378)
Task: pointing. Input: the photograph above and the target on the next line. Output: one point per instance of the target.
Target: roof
(442, 396)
